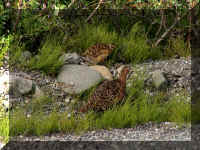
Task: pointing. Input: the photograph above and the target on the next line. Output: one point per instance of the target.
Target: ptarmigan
(107, 94)
(98, 52)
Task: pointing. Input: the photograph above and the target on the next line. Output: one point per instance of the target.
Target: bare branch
(171, 27)
(100, 2)
(72, 2)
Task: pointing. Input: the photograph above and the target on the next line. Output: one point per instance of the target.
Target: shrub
(177, 46)
(48, 58)
(89, 35)
(4, 46)
(4, 125)
(134, 46)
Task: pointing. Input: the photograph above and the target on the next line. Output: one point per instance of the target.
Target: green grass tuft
(177, 46)
(89, 35)
(4, 126)
(134, 46)
(48, 58)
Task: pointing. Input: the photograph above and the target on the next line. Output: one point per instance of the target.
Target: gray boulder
(78, 78)
(19, 86)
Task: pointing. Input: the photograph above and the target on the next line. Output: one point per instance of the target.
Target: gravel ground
(165, 131)
(148, 136)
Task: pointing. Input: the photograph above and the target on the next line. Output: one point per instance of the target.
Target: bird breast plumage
(107, 94)
(104, 96)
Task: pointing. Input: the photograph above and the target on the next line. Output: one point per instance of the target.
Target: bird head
(123, 69)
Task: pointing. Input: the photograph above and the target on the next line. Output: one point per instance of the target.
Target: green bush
(47, 59)
(4, 125)
(89, 35)
(134, 46)
(177, 46)
(4, 46)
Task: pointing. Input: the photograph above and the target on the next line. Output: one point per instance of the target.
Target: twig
(100, 2)
(72, 2)
(171, 27)
(162, 22)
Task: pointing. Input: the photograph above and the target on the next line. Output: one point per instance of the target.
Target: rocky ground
(174, 75)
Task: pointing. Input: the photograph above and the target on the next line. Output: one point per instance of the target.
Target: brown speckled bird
(107, 93)
(98, 52)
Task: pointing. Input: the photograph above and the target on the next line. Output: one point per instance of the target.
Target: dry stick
(172, 26)
(72, 2)
(100, 1)
(168, 30)
(162, 22)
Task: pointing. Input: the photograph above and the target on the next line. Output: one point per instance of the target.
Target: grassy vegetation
(4, 117)
(48, 38)
(135, 48)
(4, 45)
(177, 46)
(46, 60)
(139, 107)
(89, 35)
(130, 48)
(4, 125)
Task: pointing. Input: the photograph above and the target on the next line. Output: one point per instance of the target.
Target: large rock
(103, 71)
(19, 86)
(78, 78)
(14, 88)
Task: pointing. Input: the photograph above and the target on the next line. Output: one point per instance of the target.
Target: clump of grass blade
(89, 35)
(48, 58)
(4, 126)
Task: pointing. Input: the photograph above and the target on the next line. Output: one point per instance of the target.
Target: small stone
(6, 104)
(24, 86)
(158, 79)
(70, 58)
(68, 99)
(68, 115)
